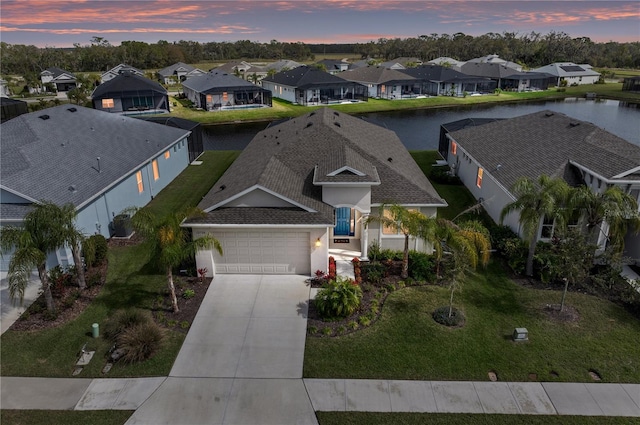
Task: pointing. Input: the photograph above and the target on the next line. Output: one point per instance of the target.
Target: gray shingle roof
(304, 76)
(56, 72)
(127, 82)
(377, 75)
(215, 80)
(283, 158)
(171, 69)
(544, 143)
(43, 158)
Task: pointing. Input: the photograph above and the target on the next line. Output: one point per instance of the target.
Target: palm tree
(408, 222)
(536, 201)
(43, 231)
(169, 243)
(613, 206)
(74, 238)
(469, 244)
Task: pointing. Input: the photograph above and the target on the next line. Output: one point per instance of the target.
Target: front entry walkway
(241, 362)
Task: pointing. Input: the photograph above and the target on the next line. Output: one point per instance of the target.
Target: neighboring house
(101, 163)
(437, 80)
(333, 66)
(177, 73)
(383, 83)
(571, 73)
(195, 144)
(220, 90)
(408, 62)
(508, 78)
(131, 94)
(447, 62)
(275, 67)
(62, 80)
(12, 108)
(304, 186)
(489, 157)
(306, 85)
(495, 59)
(4, 88)
(119, 69)
(631, 84)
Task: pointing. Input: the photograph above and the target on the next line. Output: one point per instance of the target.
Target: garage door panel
(263, 252)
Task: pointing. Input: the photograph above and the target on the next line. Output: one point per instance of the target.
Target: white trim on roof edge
(265, 226)
(28, 198)
(346, 168)
(604, 179)
(626, 173)
(264, 189)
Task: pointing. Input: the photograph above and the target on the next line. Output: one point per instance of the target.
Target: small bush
(441, 315)
(188, 293)
(312, 330)
(124, 319)
(341, 329)
(94, 249)
(500, 235)
(421, 266)
(353, 325)
(339, 298)
(327, 331)
(373, 272)
(364, 321)
(442, 175)
(140, 342)
(184, 324)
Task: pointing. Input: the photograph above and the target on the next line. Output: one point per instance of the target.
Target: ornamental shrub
(421, 266)
(122, 320)
(94, 249)
(339, 298)
(140, 342)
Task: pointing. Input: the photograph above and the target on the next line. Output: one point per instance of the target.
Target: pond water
(419, 129)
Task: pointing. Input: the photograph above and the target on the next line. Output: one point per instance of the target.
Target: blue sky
(58, 23)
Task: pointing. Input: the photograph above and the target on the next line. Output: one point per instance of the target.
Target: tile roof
(544, 143)
(282, 159)
(55, 158)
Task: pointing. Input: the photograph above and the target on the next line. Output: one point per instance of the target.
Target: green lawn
(282, 109)
(406, 343)
(64, 417)
(367, 418)
(130, 283)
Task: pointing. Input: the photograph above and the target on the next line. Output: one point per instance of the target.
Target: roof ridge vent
(309, 124)
(548, 114)
(72, 109)
(337, 124)
(574, 124)
(44, 117)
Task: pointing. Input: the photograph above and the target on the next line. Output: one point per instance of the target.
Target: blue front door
(343, 222)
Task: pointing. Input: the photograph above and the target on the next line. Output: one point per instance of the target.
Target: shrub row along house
(100, 163)
(490, 155)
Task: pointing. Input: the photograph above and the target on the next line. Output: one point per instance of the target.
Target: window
(167, 155)
(209, 98)
(454, 148)
(547, 228)
(140, 184)
(479, 178)
(225, 96)
(382, 88)
(108, 103)
(156, 173)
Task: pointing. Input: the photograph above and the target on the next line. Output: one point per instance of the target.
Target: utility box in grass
(521, 334)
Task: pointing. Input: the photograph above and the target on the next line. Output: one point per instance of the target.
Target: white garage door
(263, 252)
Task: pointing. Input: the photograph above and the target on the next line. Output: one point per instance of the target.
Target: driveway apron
(241, 362)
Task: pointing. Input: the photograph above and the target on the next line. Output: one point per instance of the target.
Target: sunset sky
(58, 23)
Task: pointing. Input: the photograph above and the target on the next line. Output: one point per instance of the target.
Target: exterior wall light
(318, 243)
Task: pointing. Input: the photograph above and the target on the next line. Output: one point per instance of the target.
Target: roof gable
(126, 82)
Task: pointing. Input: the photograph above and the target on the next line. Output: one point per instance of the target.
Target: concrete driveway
(241, 362)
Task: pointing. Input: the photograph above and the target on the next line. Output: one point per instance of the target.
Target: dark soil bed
(182, 320)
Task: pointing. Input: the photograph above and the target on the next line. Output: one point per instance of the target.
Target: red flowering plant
(202, 273)
(356, 270)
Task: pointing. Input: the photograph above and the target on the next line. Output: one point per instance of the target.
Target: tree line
(529, 49)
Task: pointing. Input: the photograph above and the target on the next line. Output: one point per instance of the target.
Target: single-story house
(306, 85)
(220, 90)
(12, 108)
(437, 80)
(497, 60)
(120, 69)
(508, 78)
(382, 82)
(129, 93)
(305, 185)
(447, 62)
(177, 73)
(61, 79)
(101, 163)
(570, 72)
(333, 66)
(490, 156)
(235, 67)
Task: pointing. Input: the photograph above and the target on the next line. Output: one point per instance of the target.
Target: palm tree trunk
(172, 290)
(453, 288)
(532, 251)
(46, 288)
(75, 252)
(405, 258)
(564, 293)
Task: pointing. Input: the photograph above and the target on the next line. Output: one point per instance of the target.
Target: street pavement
(241, 363)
